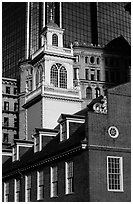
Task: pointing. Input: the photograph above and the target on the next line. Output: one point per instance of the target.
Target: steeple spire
(51, 11)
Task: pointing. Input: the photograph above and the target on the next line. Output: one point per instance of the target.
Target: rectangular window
(92, 74)
(75, 73)
(15, 106)
(54, 181)
(114, 173)
(6, 121)
(98, 75)
(7, 89)
(87, 74)
(15, 91)
(17, 190)
(28, 188)
(69, 177)
(86, 60)
(40, 185)
(5, 137)
(6, 105)
(6, 192)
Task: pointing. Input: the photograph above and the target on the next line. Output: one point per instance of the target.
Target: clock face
(113, 132)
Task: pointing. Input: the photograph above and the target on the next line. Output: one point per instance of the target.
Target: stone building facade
(9, 110)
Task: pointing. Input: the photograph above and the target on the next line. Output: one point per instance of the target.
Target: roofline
(22, 169)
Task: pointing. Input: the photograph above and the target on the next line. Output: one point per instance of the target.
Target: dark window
(5, 137)
(98, 60)
(15, 91)
(54, 40)
(6, 105)
(6, 121)
(7, 89)
(92, 74)
(86, 60)
(92, 60)
(98, 75)
(89, 93)
(87, 74)
(15, 122)
(75, 73)
(15, 106)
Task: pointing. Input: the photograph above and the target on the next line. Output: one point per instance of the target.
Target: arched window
(37, 78)
(54, 40)
(54, 76)
(97, 92)
(63, 78)
(89, 93)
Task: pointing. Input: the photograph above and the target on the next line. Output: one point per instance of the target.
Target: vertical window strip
(54, 181)
(114, 174)
(6, 192)
(69, 177)
(40, 183)
(17, 190)
(28, 188)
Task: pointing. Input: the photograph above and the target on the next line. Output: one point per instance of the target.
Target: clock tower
(46, 87)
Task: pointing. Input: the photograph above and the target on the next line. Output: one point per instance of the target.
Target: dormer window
(42, 137)
(54, 40)
(19, 147)
(69, 124)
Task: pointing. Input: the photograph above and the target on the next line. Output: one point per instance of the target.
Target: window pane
(63, 77)
(114, 174)
(54, 76)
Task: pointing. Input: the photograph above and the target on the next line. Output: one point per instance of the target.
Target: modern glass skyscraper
(86, 22)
